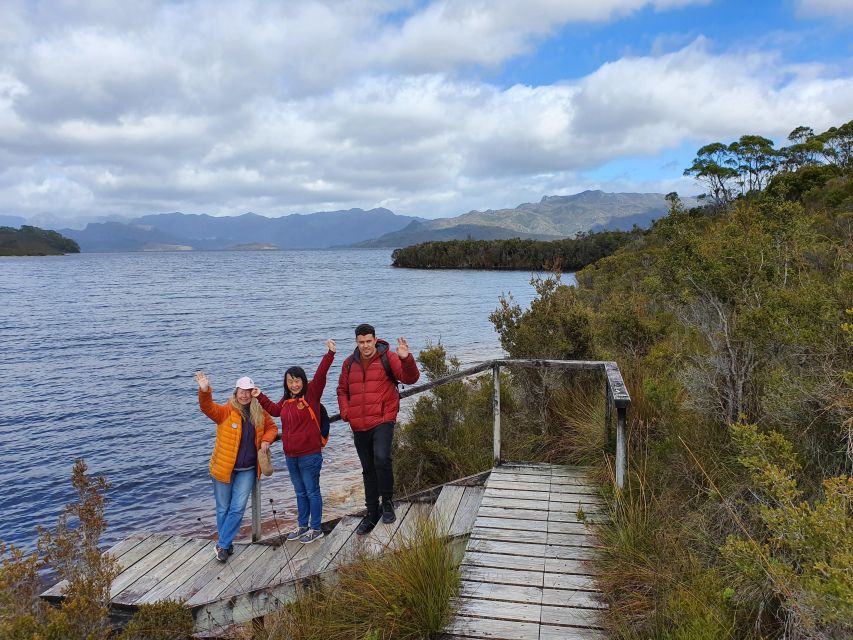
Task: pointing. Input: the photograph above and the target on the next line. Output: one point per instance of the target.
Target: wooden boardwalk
(260, 577)
(526, 572)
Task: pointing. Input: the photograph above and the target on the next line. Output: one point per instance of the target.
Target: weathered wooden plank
(571, 598)
(496, 591)
(528, 578)
(145, 564)
(528, 549)
(540, 479)
(157, 574)
(572, 539)
(570, 581)
(276, 567)
(502, 561)
(188, 570)
(117, 551)
(378, 541)
(550, 632)
(570, 616)
(417, 514)
(571, 527)
(512, 524)
(467, 511)
(207, 574)
(444, 509)
(498, 610)
(331, 545)
(568, 565)
(508, 502)
(229, 573)
(539, 536)
(473, 627)
(508, 512)
(502, 485)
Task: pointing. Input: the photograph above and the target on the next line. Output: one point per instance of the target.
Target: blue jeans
(231, 499)
(305, 476)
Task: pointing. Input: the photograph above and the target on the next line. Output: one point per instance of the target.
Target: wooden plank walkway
(260, 577)
(526, 573)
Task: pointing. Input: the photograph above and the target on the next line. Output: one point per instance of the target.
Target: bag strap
(313, 416)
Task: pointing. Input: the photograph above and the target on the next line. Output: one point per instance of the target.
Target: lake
(99, 351)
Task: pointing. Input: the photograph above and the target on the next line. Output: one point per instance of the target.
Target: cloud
(826, 8)
(284, 107)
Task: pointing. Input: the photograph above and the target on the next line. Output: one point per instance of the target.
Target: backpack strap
(323, 439)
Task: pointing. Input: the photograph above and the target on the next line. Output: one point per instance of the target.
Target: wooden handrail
(616, 395)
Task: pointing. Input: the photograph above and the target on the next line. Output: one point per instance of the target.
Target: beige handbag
(265, 462)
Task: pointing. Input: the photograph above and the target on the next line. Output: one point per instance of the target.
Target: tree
(756, 161)
(711, 166)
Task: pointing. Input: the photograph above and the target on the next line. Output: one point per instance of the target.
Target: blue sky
(429, 108)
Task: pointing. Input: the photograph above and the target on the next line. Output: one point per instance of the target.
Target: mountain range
(551, 218)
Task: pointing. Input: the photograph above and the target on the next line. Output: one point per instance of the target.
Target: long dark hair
(295, 372)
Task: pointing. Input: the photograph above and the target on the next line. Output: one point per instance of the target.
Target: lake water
(99, 350)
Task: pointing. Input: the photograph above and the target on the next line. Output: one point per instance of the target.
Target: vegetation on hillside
(32, 241)
(570, 254)
(731, 325)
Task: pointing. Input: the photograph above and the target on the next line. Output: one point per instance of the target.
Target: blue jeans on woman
(305, 476)
(231, 498)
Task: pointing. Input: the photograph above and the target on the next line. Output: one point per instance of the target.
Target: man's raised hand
(402, 348)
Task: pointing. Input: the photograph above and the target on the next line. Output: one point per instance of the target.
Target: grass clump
(405, 594)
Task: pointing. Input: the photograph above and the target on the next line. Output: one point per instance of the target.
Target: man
(369, 401)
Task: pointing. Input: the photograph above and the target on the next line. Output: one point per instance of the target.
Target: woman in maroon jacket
(299, 410)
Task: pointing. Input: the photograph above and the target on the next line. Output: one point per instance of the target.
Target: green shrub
(403, 595)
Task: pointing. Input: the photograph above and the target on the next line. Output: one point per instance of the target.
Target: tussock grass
(406, 594)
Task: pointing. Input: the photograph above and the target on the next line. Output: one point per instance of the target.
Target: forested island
(569, 254)
(32, 241)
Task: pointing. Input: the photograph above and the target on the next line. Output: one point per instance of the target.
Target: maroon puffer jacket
(367, 397)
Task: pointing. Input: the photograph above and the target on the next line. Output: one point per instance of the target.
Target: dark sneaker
(311, 536)
(366, 525)
(298, 533)
(220, 553)
(388, 515)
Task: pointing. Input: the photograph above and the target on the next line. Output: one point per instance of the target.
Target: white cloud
(283, 107)
(832, 8)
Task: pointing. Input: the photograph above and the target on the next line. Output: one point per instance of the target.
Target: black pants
(374, 452)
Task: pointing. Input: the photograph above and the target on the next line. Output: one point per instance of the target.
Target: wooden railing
(616, 396)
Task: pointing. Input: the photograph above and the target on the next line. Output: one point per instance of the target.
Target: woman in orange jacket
(242, 427)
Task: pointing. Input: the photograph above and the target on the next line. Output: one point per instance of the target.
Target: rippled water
(98, 354)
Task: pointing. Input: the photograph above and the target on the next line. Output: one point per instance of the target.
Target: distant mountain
(179, 231)
(422, 231)
(550, 218)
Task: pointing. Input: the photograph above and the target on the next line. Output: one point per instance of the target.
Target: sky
(427, 108)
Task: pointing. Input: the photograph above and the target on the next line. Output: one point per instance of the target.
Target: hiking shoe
(311, 536)
(366, 525)
(388, 515)
(295, 535)
(220, 553)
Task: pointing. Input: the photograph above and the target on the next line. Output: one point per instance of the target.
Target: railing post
(256, 511)
(496, 408)
(621, 452)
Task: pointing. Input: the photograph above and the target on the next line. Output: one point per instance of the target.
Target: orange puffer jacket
(229, 428)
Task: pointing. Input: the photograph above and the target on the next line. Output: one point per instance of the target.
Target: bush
(404, 595)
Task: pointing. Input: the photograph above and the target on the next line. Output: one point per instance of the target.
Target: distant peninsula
(32, 241)
(570, 254)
